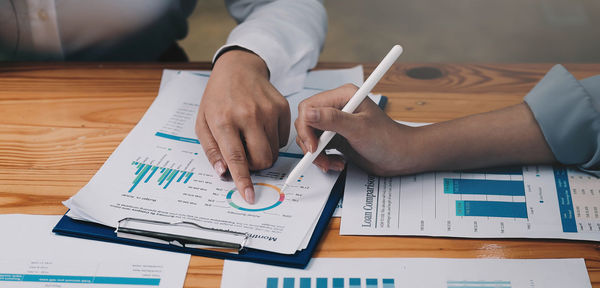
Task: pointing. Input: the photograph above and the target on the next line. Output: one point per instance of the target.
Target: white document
(159, 172)
(514, 202)
(32, 256)
(411, 272)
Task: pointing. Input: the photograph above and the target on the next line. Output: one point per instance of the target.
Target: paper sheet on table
(159, 172)
(32, 256)
(411, 272)
(507, 202)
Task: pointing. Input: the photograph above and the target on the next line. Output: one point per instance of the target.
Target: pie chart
(266, 197)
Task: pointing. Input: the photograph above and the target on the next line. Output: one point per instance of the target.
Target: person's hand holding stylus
(352, 104)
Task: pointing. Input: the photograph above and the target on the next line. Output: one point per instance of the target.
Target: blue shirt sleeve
(568, 113)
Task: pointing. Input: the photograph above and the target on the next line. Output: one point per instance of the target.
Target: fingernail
(308, 146)
(249, 192)
(220, 167)
(324, 170)
(313, 115)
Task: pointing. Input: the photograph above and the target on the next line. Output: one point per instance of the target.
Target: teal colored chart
(165, 175)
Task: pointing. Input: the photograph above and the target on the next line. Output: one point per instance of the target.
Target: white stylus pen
(358, 97)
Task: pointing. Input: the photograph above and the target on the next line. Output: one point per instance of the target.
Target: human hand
(369, 137)
(242, 120)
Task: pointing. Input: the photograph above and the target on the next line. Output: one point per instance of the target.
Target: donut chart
(262, 205)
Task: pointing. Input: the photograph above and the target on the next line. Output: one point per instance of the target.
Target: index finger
(336, 98)
(232, 149)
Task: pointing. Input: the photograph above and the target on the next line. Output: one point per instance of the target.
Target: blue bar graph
(338, 282)
(167, 175)
(164, 176)
(484, 187)
(188, 177)
(151, 174)
(272, 282)
(388, 283)
(322, 282)
(140, 167)
(173, 175)
(288, 282)
(304, 282)
(181, 177)
(491, 209)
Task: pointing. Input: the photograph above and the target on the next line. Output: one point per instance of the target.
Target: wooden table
(60, 122)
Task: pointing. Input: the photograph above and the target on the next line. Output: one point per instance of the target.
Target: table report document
(159, 172)
(411, 272)
(509, 202)
(32, 256)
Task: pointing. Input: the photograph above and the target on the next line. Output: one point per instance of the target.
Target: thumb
(331, 119)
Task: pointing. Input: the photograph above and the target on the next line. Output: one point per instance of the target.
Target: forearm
(510, 136)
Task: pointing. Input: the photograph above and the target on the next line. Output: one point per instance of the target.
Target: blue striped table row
(79, 279)
(335, 282)
(168, 175)
(484, 187)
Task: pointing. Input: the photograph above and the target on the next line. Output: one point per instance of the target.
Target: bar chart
(334, 282)
(165, 175)
(410, 272)
(505, 207)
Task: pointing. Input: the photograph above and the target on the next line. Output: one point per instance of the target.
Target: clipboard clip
(221, 240)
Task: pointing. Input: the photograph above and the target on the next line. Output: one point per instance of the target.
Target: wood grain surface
(59, 123)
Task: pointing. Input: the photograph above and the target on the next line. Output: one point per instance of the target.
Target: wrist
(240, 60)
(413, 154)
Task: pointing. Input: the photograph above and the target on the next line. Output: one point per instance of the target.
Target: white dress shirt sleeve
(287, 34)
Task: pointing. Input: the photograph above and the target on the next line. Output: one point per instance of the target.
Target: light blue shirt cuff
(568, 113)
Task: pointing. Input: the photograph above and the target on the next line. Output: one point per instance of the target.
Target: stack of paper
(32, 256)
(160, 173)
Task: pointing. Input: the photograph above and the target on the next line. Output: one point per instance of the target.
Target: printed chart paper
(522, 202)
(159, 172)
(411, 272)
(32, 256)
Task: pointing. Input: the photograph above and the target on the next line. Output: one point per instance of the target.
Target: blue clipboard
(88, 230)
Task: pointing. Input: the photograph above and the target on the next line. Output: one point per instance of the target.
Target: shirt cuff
(284, 82)
(569, 118)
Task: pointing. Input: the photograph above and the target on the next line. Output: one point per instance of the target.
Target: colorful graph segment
(279, 201)
(166, 178)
